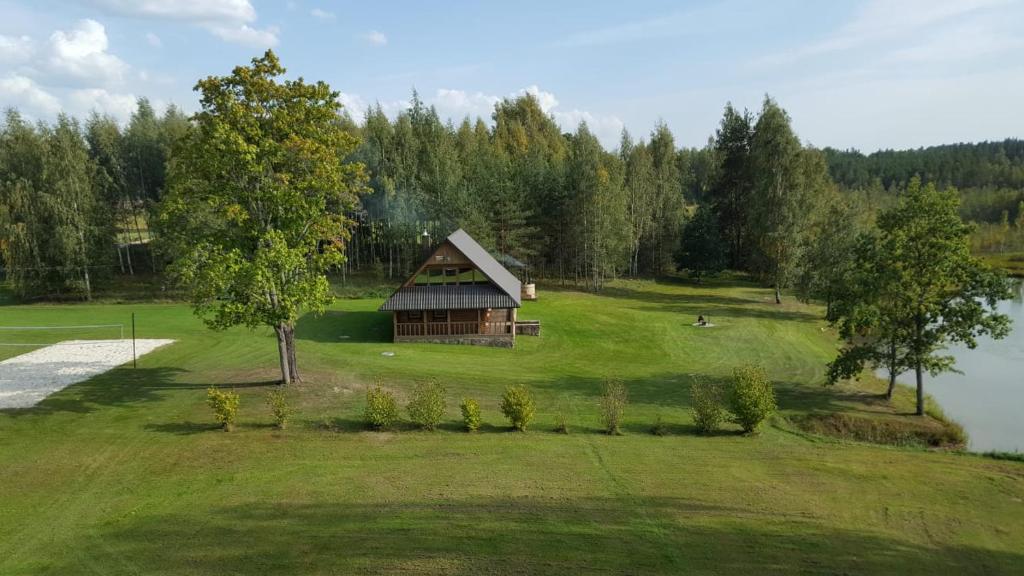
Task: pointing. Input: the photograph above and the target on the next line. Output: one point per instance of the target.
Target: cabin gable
(459, 294)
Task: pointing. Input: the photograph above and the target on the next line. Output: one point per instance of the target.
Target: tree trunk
(920, 390)
(283, 354)
(88, 284)
(293, 363)
(778, 295)
(892, 371)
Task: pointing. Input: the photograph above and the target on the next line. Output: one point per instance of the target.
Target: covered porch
(458, 325)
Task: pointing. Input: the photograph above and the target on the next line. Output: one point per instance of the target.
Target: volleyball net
(40, 336)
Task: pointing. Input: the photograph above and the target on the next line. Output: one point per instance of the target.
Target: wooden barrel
(529, 291)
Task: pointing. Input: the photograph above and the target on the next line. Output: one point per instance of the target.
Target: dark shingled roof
(448, 298)
(506, 291)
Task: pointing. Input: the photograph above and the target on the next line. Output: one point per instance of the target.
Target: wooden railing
(454, 329)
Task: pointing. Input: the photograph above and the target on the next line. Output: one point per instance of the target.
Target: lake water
(988, 398)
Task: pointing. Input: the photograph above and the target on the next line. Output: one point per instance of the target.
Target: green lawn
(124, 474)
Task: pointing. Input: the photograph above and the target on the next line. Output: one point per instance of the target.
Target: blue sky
(867, 74)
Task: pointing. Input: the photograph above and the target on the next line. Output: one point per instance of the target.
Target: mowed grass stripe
(124, 474)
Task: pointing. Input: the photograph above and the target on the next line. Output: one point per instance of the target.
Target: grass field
(124, 474)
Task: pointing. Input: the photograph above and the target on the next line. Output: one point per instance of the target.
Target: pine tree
(779, 198)
(732, 188)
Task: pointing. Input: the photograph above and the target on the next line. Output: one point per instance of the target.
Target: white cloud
(356, 106)
(87, 100)
(229, 20)
(154, 40)
(608, 129)
(321, 14)
(456, 104)
(353, 104)
(81, 54)
(546, 100)
(675, 24)
(375, 38)
(968, 106)
(883, 23)
(196, 11)
(246, 35)
(72, 71)
(25, 94)
(976, 37)
(15, 49)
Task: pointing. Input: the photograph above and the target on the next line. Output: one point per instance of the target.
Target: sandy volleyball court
(27, 379)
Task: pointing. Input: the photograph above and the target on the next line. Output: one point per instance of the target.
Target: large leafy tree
(867, 312)
(827, 253)
(257, 201)
(922, 289)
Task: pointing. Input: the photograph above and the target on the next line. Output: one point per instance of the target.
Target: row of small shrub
(225, 407)
(427, 405)
(747, 401)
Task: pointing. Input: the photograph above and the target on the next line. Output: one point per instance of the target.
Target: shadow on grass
(119, 387)
(672, 390)
(412, 534)
(184, 428)
(676, 429)
(354, 424)
(339, 327)
(709, 304)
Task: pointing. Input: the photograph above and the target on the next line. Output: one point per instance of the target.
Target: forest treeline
(75, 198)
(79, 198)
(988, 175)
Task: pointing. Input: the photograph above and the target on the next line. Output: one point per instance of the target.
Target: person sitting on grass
(701, 321)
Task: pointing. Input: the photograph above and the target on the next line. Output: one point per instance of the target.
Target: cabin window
(415, 315)
(438, 315)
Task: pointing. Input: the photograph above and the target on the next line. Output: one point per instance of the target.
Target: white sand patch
(27, 379)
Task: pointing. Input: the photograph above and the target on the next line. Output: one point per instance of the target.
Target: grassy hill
(124, 474)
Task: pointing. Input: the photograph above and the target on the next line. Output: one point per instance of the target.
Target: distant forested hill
(989, 175)
(981, 165)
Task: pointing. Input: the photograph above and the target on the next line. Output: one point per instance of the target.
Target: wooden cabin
(459, 295)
